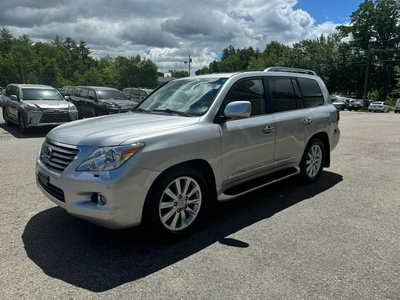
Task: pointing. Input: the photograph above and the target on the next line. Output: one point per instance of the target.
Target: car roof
(98, 87)
(32, 86)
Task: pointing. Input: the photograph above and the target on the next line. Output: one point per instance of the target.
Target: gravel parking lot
(336, 239)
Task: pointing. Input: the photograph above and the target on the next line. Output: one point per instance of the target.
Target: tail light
(338, 115)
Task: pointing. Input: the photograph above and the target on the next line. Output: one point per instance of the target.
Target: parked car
(397, 106)
(340, 103)
(136, 94)
(1, 96)
(356, 105)
(67, 90)
(378, 106)
(94, 101)
(32, 105)
(192, 141)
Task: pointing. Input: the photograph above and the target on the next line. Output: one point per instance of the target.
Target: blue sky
(337, 11)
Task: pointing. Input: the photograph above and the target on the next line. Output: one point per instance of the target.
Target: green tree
(179, 73)
(374, 32)
(6, 39)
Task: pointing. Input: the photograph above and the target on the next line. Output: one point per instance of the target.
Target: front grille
(55, 117)
(54, 191)
(57, 156)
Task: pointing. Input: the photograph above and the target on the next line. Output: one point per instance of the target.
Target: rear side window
(312, 94)
(283, 94)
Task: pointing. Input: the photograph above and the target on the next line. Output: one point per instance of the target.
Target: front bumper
(41, 119)
(125, 190)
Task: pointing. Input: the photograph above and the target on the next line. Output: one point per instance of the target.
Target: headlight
(72, 108)
(109, 158)
(31, 107)
(111, 105)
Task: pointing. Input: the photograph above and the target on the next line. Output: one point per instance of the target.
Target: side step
(258, 183)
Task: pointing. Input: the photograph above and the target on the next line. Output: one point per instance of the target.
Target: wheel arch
(198, 164)
(323, 136)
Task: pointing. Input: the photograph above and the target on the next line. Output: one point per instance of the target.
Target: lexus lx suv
(192, 141)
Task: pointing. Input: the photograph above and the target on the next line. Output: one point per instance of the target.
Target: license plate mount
(43, 178)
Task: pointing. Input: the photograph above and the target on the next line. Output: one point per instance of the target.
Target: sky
(168, 31)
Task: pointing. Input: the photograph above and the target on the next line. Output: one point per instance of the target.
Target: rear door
(293, 121)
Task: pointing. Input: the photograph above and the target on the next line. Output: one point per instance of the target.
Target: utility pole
(366, 74)
(188, 62)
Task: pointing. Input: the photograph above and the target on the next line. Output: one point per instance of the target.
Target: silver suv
(192, 141)
(34, 105)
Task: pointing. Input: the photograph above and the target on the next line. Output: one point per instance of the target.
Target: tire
(22, 126)
(176, 204)
(6, 118)
(313, 161)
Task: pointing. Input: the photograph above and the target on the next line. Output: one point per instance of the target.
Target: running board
(258, 183)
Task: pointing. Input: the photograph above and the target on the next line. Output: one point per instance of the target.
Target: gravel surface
(336, 239)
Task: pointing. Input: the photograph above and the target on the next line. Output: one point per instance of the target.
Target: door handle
(307, 121)
(268, 129)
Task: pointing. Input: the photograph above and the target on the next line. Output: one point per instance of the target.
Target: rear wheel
(176, 203)
(313, 160)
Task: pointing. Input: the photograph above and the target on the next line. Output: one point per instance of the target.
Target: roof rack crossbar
(287, 69)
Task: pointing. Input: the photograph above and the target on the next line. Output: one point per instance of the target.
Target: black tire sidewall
(5, 117)
(151, 217)
(21, 121)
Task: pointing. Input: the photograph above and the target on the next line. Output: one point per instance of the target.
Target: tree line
(62, 62)
(360, 59)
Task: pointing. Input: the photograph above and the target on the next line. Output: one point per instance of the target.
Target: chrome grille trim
(57, 156)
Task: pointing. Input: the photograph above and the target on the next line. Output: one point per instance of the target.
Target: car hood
(114, 130)
(48, 104)
(124, 104)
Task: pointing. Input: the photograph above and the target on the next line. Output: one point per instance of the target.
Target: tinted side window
(92, 95)
(84, 93)
(8, 91)
(311, 92)
(283, 96)
(77, 91)
(249, 90)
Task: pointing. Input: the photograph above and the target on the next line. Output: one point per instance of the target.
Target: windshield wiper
(140, 110)
(170, 111)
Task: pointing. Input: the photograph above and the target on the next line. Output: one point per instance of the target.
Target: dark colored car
(339, 104)
(67, 90)
(94, 101)
(356, 105)
(136, 94)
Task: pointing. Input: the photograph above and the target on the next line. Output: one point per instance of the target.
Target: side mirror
(67, 97)
(14, 97)
(238, 110)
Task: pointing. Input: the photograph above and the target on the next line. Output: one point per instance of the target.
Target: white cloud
(167, 32)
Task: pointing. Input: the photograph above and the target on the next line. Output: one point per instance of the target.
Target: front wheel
(6, 118)
(22, 126)
(176, 203)
(313, 161)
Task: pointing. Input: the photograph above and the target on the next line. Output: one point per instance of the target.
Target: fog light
(101, 199)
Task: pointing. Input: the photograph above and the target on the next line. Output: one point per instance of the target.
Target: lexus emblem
(48, 153)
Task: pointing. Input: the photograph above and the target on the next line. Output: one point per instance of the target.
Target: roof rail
(293, 70)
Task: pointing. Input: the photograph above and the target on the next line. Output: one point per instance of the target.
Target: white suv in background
(192, 141)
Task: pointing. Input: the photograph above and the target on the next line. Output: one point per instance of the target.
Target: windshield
(40, 94)
(110, 95)
(188, 96)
